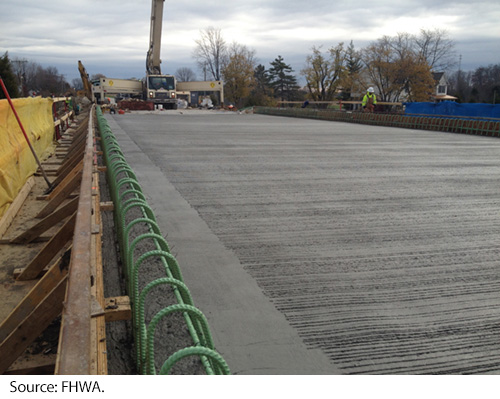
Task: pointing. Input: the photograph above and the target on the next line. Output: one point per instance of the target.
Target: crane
(153, 60)
(161, 89)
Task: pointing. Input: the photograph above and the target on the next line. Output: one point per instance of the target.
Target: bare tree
(210, 52)
(185, 74)
(436, 48)
(397, 70)
(324, 73)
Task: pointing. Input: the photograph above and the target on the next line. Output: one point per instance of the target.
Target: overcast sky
(112, 36)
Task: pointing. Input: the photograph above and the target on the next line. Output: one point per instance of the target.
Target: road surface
(318, 247)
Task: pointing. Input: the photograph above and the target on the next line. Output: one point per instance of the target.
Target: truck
(105, 88)
(160, 88)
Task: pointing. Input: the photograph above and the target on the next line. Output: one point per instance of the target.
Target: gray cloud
(112, 36)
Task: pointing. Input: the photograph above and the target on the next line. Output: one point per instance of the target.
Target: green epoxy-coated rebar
(195, 351)
(193, 312)
(127, 194)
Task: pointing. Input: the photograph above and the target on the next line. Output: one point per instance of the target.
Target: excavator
(87, 87)
(160, 89)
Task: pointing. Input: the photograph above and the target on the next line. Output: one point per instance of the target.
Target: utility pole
(21, 75)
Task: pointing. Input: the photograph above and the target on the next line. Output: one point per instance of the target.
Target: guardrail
(132, 210)
(62, 115)
(465, 125)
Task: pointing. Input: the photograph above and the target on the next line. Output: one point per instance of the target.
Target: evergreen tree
(262, 80)
(354, 66)
(262, 91)
(282, 80)
(8, 77)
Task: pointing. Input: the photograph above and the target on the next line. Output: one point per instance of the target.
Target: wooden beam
(68, 177)
(99, 359)
(47, 223)
(62, 194)
(47, 253)
(47, 283)
(32, 326)
(76, 321)
(117, 309)
(39, 364)
(70, 162)
(11, 212)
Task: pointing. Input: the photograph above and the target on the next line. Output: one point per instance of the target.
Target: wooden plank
(99, 323)
(32, 326)
(47, 253)
(47, 283)
(117, 309)
(18, 202)
(76, 321)
(67, 166)
(39, 364)
(64, 193)
(61, 183)
(47, 223)
(107, 206)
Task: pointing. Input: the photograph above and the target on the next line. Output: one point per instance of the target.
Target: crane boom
(153, 60)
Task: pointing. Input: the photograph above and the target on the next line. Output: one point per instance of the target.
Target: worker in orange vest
(369, 100)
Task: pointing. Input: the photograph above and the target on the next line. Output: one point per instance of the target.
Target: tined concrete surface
(328, 248)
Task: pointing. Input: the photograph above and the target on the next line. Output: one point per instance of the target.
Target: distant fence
(468, 125)
(453, 109)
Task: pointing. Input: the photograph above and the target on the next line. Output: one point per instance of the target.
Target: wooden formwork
(55, 275)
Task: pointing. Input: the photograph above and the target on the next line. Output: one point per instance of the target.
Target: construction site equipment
(161, 89)
(103, 88)
(87, 87)
(156, 88)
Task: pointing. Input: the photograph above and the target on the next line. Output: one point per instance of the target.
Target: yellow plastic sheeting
(17, 163)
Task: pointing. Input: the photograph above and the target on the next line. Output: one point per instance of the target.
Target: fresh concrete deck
(328, 248)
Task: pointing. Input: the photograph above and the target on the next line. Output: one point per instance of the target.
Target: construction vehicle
(104, 89)
(160, 89)
(87, 87)
(156, 88)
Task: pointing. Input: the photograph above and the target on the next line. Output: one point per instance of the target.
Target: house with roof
(441, 87)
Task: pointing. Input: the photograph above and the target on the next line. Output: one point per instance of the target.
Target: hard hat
(370, 90)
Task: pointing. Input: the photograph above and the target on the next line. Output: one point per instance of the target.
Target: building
(441, 92)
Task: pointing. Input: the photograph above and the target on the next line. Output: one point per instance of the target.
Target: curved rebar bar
(123, 183)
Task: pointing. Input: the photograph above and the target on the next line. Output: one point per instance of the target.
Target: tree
(238, 73)
(262, 92)
(353, 67)
(436, 48)
(281, 79)
(262, 80)
(210, 52)
(185, 74)
(77, 84)
(8, 77)
(324, 73)
(398, 72)
(461, 87)
(486, 84)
